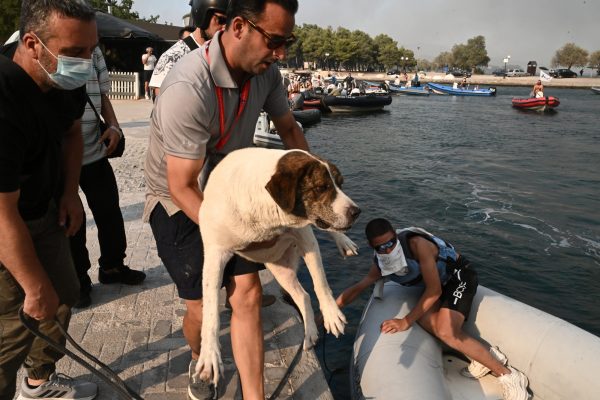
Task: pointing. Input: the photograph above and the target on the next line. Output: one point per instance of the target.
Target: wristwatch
(117, 129)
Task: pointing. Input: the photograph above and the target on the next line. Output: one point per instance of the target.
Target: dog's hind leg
(209, 363)
(333, 318)
(284, 272)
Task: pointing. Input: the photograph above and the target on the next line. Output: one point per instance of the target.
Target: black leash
(104, 372)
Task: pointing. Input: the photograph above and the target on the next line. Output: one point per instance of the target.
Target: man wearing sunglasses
(208, 17)
(415, 257)
(208, 107)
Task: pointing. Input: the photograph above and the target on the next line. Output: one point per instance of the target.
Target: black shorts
(148, 75)
(179, 246)
(459, 291)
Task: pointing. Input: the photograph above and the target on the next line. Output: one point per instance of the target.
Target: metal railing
(124, 85)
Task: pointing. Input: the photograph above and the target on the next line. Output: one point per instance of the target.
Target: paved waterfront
(137, 332)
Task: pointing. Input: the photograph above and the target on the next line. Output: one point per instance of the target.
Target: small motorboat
(307, 116)
(546, 103)
(458, 91)
(560, 360)
(265, 134)
(360, 103)
(411, 90)
(595, 89)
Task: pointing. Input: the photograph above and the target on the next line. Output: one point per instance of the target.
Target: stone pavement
(137, 330)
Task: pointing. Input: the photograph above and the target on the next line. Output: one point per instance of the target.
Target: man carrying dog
(42, 98)
(208, 107)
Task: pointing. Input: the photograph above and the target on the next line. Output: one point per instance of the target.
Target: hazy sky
(524, 29)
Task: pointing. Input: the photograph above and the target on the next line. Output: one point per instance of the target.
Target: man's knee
(193, 312)
(245, 292)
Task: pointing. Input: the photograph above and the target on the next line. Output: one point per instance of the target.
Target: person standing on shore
(42, 98)
(98, 183)
(149, 61)
(208, 107)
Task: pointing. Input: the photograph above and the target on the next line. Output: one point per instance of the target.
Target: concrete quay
(136, 330)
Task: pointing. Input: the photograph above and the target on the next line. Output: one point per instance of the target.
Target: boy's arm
(348, 295)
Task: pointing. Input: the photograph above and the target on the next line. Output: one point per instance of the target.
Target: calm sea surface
(517, 192)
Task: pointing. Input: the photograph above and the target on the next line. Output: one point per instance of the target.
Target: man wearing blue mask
(42, 98)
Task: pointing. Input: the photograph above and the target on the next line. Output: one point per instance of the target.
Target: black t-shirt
(32, 125)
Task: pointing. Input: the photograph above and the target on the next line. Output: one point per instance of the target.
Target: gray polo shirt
(185, 120)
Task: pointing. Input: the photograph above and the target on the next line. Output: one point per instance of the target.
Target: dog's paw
(209, 365)
(334, 320)
(311, 336)
(345, 245)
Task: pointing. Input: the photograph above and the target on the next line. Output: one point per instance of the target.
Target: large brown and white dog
(256, 195)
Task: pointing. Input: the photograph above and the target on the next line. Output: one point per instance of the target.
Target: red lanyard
(224, 138)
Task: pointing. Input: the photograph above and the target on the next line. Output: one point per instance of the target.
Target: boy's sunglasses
(385, 246)
(274, 41)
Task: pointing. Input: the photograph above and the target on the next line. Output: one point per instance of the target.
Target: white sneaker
(59, 387)
(147, 97)
(514, 385)
(477, 370)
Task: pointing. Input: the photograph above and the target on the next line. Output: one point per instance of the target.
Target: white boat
(561, 360)
(265, 134)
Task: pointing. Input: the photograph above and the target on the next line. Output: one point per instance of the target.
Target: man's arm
(18, 255)
(182, 178)
(70, 211)
(425, 253)
(349, 294)
(289, 131)
(113, 132)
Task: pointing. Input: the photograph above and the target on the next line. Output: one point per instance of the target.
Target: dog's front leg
(209, 363)
(333, 318)
(284, 271)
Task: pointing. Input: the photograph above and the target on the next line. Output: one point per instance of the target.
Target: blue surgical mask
(71, 72)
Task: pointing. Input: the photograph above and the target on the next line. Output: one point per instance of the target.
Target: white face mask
(71, 72)
(394, 262)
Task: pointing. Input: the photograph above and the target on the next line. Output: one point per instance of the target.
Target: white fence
(124, 85)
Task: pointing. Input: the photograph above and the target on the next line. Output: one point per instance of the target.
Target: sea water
(518, 193)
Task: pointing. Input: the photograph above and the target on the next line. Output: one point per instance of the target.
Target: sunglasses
(221, 19)
(381, 248)
(274, 41)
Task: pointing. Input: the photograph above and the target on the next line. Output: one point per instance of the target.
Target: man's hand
(70, 214)
(41, 304)
(113, 137)
(394, 325)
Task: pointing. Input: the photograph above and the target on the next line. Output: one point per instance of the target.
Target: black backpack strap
(191, 43)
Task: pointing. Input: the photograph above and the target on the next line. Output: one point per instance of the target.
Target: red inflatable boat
(537, 104)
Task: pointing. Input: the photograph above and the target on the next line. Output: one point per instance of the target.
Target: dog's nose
(353, 212)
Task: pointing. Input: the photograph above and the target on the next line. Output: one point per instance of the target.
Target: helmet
(202, 11)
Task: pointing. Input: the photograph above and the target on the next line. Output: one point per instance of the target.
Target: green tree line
(357, 51)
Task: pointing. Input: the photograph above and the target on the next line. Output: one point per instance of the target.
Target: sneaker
(477, 370)
(122, 274)
(59, 387)
(197, 388)
(147, 97)
(514, 385)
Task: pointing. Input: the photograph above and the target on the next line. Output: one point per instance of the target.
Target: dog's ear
(282, 188)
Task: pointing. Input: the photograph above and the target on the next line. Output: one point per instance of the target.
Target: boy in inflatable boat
(415, 257)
